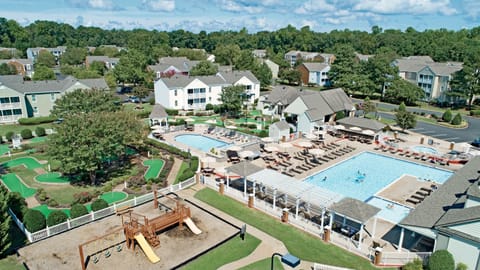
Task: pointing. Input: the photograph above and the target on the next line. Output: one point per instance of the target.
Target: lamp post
(287, 259)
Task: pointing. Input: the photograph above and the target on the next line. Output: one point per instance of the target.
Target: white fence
(92, 216)
(401, 258)
(318, 266)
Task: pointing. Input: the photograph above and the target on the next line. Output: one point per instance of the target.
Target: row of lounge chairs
(414, 155)
(421, 194)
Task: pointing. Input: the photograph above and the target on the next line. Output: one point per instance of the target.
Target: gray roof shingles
(355, 209)
(17, 83)
(363, 123)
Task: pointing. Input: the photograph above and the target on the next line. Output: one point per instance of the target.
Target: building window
(52, 97)
(209, 99)
(34, 98)
(15, 99)
(175, 93)
(35, 110)
(210, 89)
(17, 111)
(176, 102)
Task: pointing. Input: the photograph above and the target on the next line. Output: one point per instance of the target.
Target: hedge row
(36, 120)
(475, 112)
(190, 171)
(169, 148)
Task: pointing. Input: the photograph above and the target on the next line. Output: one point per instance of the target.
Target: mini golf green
(53, 177)
(4, 149)
(46, 211)
(154, 168)
(114, 196)
(29, 162)
(14, 184)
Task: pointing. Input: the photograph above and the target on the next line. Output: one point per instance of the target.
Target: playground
(182, 231)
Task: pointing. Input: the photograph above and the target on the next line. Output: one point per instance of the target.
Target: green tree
(85, 101)
(368, 106)
(263, 73)
(417, 264)
(98, 67)
(34, 220)
(56, 217)
(83, 141)
(227, 54)
(26, 134)
(405, 120)
(17, 204)
(78, 210)
(457, 120)
(131, 68)
(7, 69)
(380, 69)
(5, 222)
(447, 116)
(43, 73)
(141, 92)
(40, 131)
(231, 98)
(403, 91)
(204, 68)
(441, 260)
(291, 75)
(344, 71)
(45, 58)
(466, 82)
(73, 56)
(99, 204)
(245, 60)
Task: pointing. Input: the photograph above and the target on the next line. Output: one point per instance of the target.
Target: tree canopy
(403, 91)
(7, 69)
(43, 73)
(204, 68)
(73, 56)
(231, 98)
(5, 222)
(45, 58)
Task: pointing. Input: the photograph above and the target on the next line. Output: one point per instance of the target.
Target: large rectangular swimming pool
(200, 142)
(363, 175)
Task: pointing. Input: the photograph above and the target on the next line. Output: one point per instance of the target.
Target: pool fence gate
(92, 216)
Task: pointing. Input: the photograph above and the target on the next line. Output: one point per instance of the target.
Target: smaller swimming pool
(390, 211)
(200, 142)
(425, 149)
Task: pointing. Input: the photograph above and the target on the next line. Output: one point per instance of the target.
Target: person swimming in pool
(324, 179)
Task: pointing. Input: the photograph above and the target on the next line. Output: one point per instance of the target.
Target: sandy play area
(177, 245)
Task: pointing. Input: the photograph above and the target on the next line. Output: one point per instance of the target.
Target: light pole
(287, 259)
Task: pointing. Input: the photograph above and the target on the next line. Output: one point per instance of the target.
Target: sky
(254, 15)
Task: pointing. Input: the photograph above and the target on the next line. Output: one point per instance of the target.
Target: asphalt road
(444, 133)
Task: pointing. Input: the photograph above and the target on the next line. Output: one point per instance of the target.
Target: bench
(123, 209)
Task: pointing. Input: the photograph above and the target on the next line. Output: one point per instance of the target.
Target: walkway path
(267, 247)
(177, 163)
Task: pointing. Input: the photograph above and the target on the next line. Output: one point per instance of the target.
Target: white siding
(162, 95)
(255, 87)
(472, 228)
(471, 203)
(304, 124)
(184, 96)
(296, 107)
(464, 252)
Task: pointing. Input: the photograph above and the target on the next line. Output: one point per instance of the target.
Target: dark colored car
(476, 142)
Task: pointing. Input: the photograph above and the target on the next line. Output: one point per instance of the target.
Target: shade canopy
(305, 144)
(339, 127)
(368, 132)
(246, 153)
(355, 128)
(311, 136)
(268, 139)
(271, 148)
(231, 127)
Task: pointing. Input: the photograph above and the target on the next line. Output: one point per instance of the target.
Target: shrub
(26, 133)
(475, 113)
(457, 120)
(194, 163)
(40, 131)
(34, 220)
(417, 264)
(56, 217)
(99, 204)
(151, 101)
(263, 133)
(36, 120)
(171, 111)
(52, 203)
(441, 260)
(17, 204)
(82, 197)
(340, 115)
(461, 266)
(209, 107)
(9, 135)
(78, 210)
(187, 173)
(447, 116)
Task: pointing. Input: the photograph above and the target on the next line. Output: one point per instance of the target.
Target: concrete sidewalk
(267, 247)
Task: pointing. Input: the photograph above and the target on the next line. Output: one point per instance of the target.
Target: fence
(92, 216)
(318, 266)
(401, 258)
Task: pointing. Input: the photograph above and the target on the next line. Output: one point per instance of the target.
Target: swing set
(106, 252)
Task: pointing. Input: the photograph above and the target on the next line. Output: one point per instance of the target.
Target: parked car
(476, 142)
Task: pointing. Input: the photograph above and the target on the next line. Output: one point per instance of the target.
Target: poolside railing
(402, 258)
(92, 216)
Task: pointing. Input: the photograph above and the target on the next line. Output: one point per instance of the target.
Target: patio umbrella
(246, 154)
(268, 139)
(339, 127)
(235, 148)
(310, 136)
(271, 148)
(316, 151)
(368, 132)
(211, 121)
(209, 160)
(305, 144)
(231, 127)
(189, 120)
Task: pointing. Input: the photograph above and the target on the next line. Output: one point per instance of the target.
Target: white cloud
(94, 4)
(312, 6)
(158, 5)
(471, 8)
(309, 23)
(406, 7)
(240, 6)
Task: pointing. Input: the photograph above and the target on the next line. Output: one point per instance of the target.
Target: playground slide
(192, 226)
(147, 248)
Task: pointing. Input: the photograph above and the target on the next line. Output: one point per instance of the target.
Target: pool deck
(400, 190)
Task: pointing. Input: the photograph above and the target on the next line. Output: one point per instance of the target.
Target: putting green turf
(114, 196)
(53, 177)
(14, 184)
(3, 149)
(28, 162)
(154, 168)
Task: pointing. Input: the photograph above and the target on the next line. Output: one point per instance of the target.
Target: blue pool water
(200, 142)
(365, 174)
(395, 213)
(424, 149)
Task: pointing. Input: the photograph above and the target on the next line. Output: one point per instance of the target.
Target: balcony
(197, 95)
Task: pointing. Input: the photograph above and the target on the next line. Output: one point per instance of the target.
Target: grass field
(264, 264)
(230, 251)
(17, 128)
(28, 162)
(14, 184)
(182, 168)
(52, 177)
(299, 243)
(154, 168)
(38, 139)
(4, 149)
(11, 263)
(114, 196)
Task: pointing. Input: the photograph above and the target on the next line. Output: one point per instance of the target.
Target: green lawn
(154, 168)
(52, 177)
(38, 139)
(230, 251)
(17, 128)
(3, 149)
(11, 263)
(299, 243)
(183, 167)
(264, 264)
(114, 196)
(14, 184)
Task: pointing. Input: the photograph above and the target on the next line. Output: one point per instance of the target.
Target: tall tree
(404, 118)
(141, 92)
(226, 54)
(45, 58)
(344, 70)
(83, 101)
(231, 98)
(403, 91)
(204, 68)
(466, 82)
(5, 223)
(131, 68)
(43, 73)
(73, 56)
(7, 69)
(263, 74)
